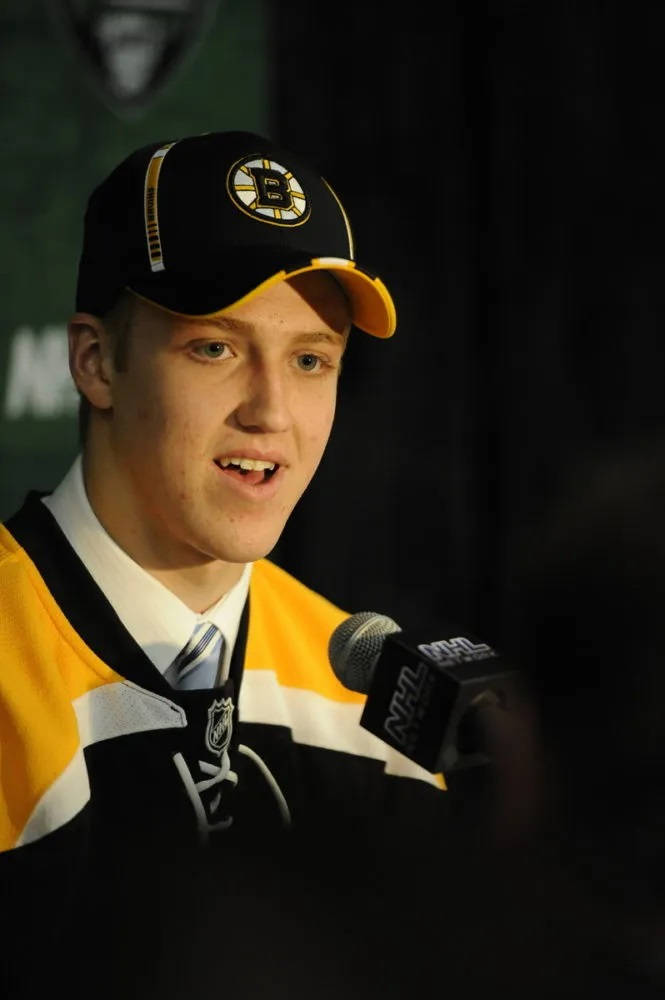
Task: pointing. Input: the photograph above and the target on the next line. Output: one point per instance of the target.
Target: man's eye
(309, 362)
(212, 350)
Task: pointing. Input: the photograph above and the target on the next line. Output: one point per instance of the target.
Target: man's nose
(265, 405)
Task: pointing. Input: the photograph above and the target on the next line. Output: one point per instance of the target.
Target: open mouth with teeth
(253, 471)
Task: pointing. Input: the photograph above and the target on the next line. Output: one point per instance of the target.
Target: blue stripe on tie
(199, 648)
(197, 664)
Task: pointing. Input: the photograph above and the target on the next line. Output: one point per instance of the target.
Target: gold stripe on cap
(344, 216)
(150, 208)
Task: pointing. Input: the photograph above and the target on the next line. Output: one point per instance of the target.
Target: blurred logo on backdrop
(131, 49)
(38, 385)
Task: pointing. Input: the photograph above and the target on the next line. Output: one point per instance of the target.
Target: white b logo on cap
(267, 191)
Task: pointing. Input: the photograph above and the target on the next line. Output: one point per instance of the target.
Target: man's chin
(243, 550)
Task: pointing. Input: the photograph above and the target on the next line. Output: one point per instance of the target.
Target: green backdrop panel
(59, 139)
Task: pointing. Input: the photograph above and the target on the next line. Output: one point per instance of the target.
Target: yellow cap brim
(372, 308)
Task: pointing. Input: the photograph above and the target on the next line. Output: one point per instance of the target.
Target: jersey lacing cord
(195, 788)
(218, 775)
(272, 784)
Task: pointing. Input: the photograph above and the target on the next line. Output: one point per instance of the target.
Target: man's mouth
(253, 471)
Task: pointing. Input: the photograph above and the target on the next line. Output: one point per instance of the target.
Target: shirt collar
(156, 619)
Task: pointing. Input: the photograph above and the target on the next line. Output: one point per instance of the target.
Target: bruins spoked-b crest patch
(267, 191)
(131, 49)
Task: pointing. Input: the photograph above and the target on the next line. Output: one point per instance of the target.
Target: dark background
(503, 169)
(501, 164)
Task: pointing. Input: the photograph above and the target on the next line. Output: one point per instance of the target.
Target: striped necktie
(197, 664)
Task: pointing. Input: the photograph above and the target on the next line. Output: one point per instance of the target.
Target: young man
(163, 680)
(164, 685)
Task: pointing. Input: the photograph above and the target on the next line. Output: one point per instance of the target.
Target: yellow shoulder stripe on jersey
(294, 647)
(289, 629)
(37, 719)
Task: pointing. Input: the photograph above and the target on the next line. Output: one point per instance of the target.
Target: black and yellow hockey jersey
(107, 774)
(93, 735)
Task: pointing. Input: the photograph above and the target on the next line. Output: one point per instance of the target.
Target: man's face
(259, 383)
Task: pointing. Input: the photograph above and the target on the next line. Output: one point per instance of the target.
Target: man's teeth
(250, 464)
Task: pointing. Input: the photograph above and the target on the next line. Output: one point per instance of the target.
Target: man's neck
(199, 587)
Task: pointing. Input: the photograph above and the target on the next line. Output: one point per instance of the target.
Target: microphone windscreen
(355, 646)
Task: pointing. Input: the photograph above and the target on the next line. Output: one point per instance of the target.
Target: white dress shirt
(157, 620)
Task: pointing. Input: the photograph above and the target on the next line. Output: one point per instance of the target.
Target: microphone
(429, 700)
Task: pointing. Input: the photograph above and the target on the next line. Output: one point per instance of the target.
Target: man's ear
(90, 359)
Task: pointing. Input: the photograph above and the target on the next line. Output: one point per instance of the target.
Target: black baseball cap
(199, 224)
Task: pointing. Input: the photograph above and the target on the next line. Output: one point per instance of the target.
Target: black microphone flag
(422, 697)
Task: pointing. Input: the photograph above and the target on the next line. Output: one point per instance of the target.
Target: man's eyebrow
(231, 324)
(314, 337)
(225, 323)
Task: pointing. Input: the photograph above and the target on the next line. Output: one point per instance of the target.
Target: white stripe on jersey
(63, 800)
(122, 708)
(319, 722)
